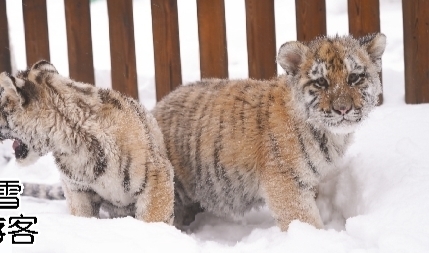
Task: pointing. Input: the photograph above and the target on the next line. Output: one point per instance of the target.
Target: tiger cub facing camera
(108, 148)
(236, 144)
(239, 144)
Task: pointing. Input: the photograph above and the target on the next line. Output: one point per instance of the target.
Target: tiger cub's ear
(291, 55)
(10, 95)
(374, 45)
(44, 65)
(39, 71)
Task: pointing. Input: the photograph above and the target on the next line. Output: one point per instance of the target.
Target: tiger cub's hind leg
(184, 215)
(155, 201)
(85, 203)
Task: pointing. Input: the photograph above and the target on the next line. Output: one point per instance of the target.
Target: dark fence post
(5, 64)
(261, 39)
(212, 38)
(122, 49)
(416, 50)
(165, 29)
(364, 18)
(310, 19)
(79, 43)
(36, 30)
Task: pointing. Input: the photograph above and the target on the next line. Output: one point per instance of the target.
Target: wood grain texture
(310, 19)
(261, 39)
(364, 18)
(79, 42)
(36, 30)
(165, 29)
(122, 48)
(212, 38)
(5, 64)
(416, 50)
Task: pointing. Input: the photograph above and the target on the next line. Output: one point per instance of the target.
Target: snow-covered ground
(378, 202)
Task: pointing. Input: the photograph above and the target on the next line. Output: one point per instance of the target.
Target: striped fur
(43, 191)
(236, 144)
(108, 148)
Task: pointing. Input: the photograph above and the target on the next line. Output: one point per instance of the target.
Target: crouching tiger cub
(235, 144)
(108, 148)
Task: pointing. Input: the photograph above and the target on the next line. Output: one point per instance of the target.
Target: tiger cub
(108, 148)
(236, 144)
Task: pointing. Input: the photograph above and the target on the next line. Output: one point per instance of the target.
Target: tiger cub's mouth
(20, 148)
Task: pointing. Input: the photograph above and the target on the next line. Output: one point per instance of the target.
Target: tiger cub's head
(18, 95)
(335, 80)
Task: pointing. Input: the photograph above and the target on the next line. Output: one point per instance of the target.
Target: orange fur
(236, 144)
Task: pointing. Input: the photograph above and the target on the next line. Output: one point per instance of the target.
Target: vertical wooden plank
(212, 38)
(310, 19)
(36, 30)
(261, 39)
(5, 64)
(122, 49)
(165, 29)
(364, 18)
(416, 50)
(79, 43)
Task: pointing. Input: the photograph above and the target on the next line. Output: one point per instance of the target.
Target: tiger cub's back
(220, 134)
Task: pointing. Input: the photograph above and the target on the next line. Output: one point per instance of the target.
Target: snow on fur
(378, 202)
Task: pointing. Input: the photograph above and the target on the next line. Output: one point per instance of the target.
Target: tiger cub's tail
(43, 191)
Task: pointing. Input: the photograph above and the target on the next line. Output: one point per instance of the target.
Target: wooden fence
(364, 17)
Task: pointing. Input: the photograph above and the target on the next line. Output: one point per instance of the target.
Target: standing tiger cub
(236, 144)
(108, 148)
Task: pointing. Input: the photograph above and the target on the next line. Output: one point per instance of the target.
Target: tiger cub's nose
(342, 106)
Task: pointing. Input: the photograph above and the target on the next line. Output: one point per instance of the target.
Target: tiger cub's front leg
(289, 199)
(155, 201)
(289, 183)
(82, 202)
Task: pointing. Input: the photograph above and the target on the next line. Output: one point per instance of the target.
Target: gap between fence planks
(79, 43)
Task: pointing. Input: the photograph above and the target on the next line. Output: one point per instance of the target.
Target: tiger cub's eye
(353, 78)
(321, 82)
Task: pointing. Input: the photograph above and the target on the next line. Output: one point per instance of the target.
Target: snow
(378, 202)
